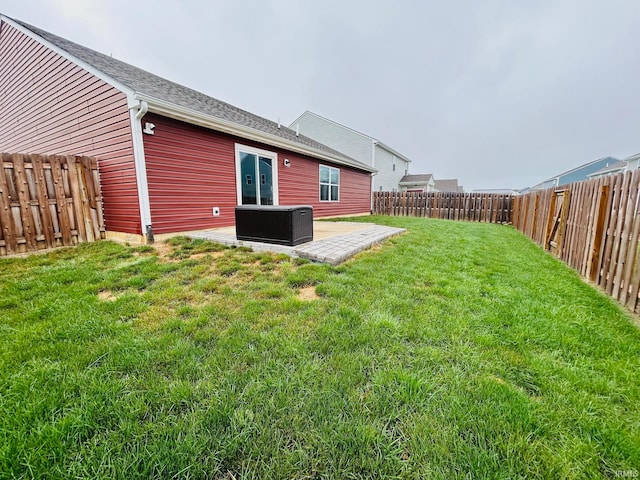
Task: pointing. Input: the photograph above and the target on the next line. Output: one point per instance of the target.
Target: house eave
(414, 184)
(177, 112)
(68, 56)
(392, 151)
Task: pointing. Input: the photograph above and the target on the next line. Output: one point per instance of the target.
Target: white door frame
(259, 153)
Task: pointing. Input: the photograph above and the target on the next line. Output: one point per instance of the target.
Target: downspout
(143, 108)
(138, 110)
(373, 164)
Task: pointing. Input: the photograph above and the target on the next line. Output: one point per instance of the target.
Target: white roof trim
(178, 112)
(308, 112)
(417, 182)
(392, 151)
(184, 114)
(66, 55)
(375, 141)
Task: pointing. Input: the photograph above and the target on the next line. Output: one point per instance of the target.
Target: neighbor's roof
(150, 85)
(608, 160)
(614, 167)
(447, 185)
(416, 179)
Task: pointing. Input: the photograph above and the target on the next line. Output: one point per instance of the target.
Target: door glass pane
(266, 177)
(248, 174)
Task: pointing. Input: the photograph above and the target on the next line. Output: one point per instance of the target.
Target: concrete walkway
(335, 241)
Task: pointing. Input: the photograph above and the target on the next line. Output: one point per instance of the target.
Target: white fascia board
(375, 141)
(411, 184)
(132, 104)
(194, 117)
(66, 55)
(259, 152)
(392, 151)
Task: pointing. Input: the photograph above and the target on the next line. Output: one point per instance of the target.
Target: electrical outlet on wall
(216, 211)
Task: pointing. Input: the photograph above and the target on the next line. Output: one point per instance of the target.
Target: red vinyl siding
(49, 105)
(300, 185)
(190, 170)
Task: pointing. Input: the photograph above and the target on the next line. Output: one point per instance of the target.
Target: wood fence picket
(48, 201)
(491, 208)
(599, 234)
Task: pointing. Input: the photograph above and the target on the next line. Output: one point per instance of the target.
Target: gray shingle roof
(416, 178)
(146, 83)
(614, 167)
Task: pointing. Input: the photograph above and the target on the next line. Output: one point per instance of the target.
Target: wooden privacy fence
(48, 201)
(478, 207)
(593, 226)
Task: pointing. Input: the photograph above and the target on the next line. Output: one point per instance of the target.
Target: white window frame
(259, 153)
(329, 184)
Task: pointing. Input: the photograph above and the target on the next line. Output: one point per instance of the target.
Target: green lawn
(457, 350)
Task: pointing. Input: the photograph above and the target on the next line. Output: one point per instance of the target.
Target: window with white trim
(329, 184)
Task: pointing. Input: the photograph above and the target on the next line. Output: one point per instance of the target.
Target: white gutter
(139, 105)
(137, 110)
(194, 117)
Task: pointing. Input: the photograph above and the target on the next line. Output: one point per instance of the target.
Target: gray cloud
(496, 93)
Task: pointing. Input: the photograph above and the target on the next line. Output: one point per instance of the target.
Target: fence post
(6, 217)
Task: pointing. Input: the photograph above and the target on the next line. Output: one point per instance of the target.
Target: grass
(457, 350)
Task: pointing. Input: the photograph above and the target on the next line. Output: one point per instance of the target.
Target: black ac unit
(283, 225)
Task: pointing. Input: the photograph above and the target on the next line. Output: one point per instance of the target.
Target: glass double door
(256, 177)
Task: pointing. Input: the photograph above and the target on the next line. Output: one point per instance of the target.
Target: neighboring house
(616, 167)
(391, 166)
(170, 158)
(628, 164)
(577, 174)
(448, 185)
(417, 183)
(633, 162)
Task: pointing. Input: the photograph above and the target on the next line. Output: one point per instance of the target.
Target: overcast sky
(499, 94)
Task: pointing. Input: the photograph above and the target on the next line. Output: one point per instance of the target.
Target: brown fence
(593, 226)
(476, 207)
(48, 201)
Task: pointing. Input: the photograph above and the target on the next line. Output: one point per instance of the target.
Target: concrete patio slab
(334, 242)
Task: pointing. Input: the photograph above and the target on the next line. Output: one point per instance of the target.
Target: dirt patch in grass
(107, 296)
(164, 251)
(308, 294)
(211, 254)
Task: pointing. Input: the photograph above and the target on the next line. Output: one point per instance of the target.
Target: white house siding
(338, 137)
(387, 179)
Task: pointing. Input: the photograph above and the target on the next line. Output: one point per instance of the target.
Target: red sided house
(170, 159)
